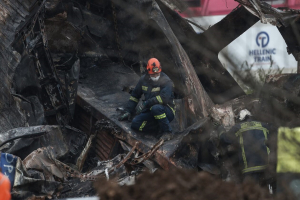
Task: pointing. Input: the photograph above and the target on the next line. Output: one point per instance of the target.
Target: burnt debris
(68, 68)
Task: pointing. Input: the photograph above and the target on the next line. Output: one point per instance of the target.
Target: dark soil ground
(181, 184)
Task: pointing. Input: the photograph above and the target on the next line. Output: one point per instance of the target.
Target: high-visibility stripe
(156, 89)
(266, 131)
(247, 126)
(250, 124)
(143, 125)
(173, 109)
(160, 116)
(252, 169)
(133, 99)
(145, 88)
(288, 151)
(243, 151)
(159, 99)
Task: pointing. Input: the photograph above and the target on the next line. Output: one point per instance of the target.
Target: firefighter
(4, 187)
(158, 109)
(246, 143)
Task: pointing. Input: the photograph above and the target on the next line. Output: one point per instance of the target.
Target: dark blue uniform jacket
(250, 139)
(159, 92)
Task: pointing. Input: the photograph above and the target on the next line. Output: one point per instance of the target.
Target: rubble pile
(69, 68)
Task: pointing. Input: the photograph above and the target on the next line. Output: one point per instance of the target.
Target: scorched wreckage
(68, 68)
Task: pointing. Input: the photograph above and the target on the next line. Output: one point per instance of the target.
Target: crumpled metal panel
(268, 14)
(68, 142)
(24, 132)
(13, 14)
(198, 100)
(21, 179)
(38, 186)
(43, 160)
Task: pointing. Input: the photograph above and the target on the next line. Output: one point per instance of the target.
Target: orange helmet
(153, 66)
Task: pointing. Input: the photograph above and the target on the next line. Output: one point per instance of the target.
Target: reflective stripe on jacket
(159, 92)
(250, 137)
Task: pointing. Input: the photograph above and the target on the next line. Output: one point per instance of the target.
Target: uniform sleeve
(135, 97)
(228, 138)
(164, 95)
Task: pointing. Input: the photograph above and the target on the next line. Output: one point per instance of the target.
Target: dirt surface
(179, 184)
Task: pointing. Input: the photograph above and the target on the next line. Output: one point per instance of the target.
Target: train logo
(262, 39)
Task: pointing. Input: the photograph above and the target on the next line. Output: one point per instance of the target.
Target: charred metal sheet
(199, 101)
(69, 79)
(122, 130)
(36, 180)
(43, 160)
(268, 14)
(228, 29)
(68, 142)
(34, 40)
(24, 132)
(290, 35)
(12, 16)
(203, 50)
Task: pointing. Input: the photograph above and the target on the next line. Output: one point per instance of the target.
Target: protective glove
(141, 107)
(125, 116)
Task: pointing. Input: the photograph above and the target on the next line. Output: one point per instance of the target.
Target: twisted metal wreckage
(67, 64)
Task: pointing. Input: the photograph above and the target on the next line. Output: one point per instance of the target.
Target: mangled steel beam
(268, 14)
(32, 35)
(13, 14)
(24, 132)
(198, 100)
(203, 50)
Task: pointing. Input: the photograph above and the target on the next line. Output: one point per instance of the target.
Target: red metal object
(215, 7)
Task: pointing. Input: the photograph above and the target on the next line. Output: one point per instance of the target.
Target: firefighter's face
(154, 75)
